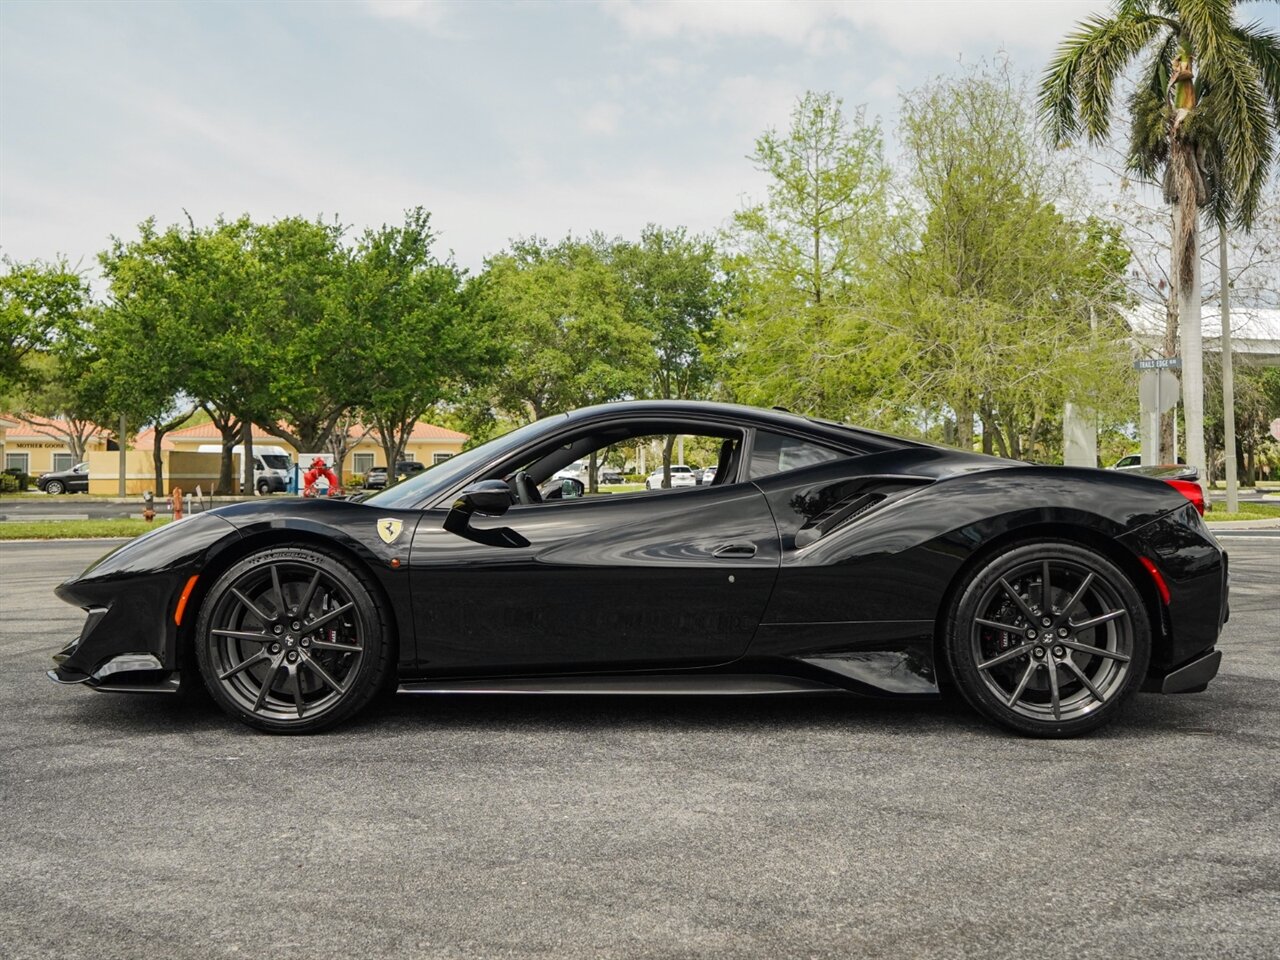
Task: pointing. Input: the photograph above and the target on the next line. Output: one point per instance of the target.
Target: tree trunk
(157, 463)
(964, 428)
(667, 446)
(248, 486)
(1188, 282)
(593, 482)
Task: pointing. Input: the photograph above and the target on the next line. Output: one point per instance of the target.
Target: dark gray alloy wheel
(1049, 639)
(292, 640)
(54, 486)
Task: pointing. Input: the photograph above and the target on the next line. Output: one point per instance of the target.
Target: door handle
(737, 551)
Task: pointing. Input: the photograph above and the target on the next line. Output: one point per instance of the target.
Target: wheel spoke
(1022, 684)
(245, 664)
(999, 626)
(1096, 651)
(1083, 679)
(267, 681)
(336, 612)
(1065, 613)
(295, 677)
(249, 606)
(321, 672)
(1104, 618)
(1053, 691)
(243, 635)
(1046, 595)
(1017, 598)
(275, 584)
(1005, 657)
(305, 604)
(330, 645)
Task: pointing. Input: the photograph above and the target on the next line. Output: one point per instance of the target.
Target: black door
(632, 581)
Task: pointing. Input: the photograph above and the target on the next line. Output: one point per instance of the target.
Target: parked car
(376, 478)
(75, 480)
(1049, 632)
(609, 475)
(707, 476)
(681, 476)
(1133, 460)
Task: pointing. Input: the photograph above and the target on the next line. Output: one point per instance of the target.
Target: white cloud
(601, 118)
(909, 26)
(424, 13)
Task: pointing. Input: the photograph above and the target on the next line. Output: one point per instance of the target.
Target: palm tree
(1205, 116)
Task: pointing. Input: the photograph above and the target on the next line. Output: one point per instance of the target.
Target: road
(75, 507)
(636, 827)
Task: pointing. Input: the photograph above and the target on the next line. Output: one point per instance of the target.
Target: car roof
(776, 418)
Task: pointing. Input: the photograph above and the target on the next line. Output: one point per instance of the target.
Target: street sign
(1158, 391)
(1159, 363)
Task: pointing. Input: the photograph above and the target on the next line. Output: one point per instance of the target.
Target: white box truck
(272, 466)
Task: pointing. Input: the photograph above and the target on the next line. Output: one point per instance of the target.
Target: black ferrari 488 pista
(820, 558)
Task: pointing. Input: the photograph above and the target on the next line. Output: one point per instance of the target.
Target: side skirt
(647, 685)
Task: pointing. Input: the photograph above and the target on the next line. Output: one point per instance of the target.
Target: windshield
(276, 461)
(439, 477)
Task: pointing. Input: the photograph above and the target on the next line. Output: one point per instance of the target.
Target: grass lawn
(1247, 511)
(65, 529)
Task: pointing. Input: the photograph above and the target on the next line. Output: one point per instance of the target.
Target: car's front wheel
(293, 640)
(55, 487)
(1050, 639)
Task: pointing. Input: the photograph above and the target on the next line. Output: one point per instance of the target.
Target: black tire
(1060, 670)
(54, 487)
(292, 639)
(263, 488)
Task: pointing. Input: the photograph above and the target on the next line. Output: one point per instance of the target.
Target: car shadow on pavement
(407, 714)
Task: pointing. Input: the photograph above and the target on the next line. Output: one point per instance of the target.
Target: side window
(775, 453)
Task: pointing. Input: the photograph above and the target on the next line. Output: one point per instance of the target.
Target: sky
(502, 119)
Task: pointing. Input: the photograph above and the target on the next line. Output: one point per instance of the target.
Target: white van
(272, 466)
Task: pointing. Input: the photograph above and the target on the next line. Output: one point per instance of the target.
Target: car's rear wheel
(293, 640)
(1050, 639)
(263, 488)
(55, 487)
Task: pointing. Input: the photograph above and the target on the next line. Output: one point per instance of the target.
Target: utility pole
(124, 454)
(1228, 377)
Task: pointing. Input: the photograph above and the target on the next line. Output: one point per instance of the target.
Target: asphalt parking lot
(634, 827)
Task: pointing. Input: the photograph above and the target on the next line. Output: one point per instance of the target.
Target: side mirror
(489, 497)
(571, 489)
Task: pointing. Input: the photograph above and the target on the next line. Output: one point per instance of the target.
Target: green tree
(1001, 309)
(39, 302)
(410, 344)
(803, 260)
(144, 345)
(46, 351)
(1205, 113)
(557, 318)
(672, 289)
(303, 329)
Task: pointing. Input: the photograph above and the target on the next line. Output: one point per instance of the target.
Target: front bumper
(127, 673)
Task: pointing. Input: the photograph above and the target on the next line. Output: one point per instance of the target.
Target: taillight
(1191, 490)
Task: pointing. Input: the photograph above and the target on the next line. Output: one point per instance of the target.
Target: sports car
(821, 558)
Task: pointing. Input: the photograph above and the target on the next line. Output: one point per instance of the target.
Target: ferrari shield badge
(389, 530)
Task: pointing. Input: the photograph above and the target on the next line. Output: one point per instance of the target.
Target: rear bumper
(1191, 677)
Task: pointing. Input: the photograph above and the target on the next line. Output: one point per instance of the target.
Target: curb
(1222, 525)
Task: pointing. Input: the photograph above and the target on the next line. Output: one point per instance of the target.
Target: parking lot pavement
(634, 827)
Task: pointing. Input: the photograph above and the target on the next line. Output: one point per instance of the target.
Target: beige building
(428, 444)
(37, 445)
